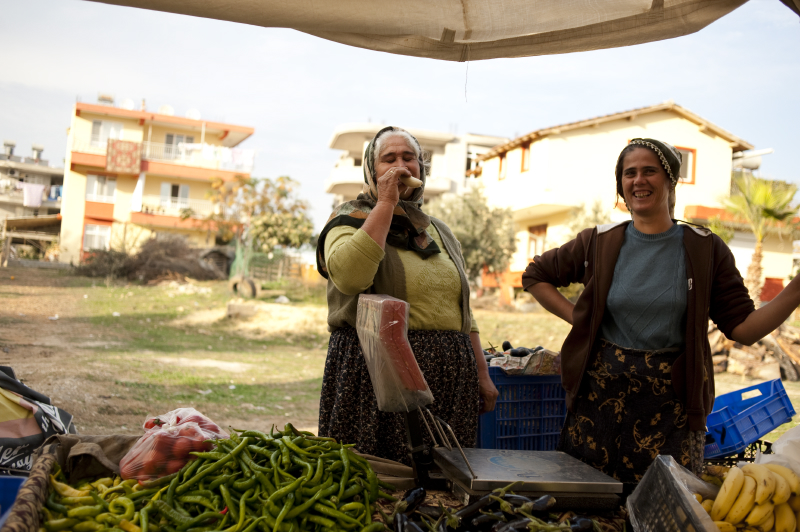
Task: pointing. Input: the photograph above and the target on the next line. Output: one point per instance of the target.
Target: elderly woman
(637, 364)
(383, 243)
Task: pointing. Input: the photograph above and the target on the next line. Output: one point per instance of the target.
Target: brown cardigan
(715, 290)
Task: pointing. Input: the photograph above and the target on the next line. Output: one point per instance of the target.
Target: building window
(356, 161)
(536, 236)
(100, 188)
(174, 196)
(688, 165)
(173, 144)
(526, 156)
(96, 237)
(502, 171)
(103, 130)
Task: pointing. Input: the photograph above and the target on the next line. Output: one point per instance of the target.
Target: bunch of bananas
(756, 498)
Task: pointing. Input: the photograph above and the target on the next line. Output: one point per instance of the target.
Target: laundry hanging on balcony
(123, 157)
(468, 30)
(32, 195)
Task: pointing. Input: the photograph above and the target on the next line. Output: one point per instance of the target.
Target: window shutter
(91, 185)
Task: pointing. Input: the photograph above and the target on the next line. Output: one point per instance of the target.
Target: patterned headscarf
(409, 225)
(670, 159)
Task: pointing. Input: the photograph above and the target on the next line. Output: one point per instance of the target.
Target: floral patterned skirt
(626, 413)
(348, 410)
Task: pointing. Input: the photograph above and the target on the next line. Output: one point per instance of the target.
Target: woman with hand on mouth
(383, 243)
(637, 364)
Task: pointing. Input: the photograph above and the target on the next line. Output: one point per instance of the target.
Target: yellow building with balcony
(134, 174)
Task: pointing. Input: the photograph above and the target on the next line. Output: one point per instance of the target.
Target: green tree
(584, 216)
(267, 211)
(763, 205)
(486, 233)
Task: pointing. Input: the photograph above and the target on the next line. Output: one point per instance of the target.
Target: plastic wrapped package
(167, 442)
(664, 499)
(382, 326)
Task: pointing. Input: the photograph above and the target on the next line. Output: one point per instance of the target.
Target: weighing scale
(475, 472)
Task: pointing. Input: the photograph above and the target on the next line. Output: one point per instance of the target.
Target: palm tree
(763, 205)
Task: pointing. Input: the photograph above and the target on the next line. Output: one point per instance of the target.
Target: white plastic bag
(382, 327)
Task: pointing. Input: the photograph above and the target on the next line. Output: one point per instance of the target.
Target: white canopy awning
(467, 30)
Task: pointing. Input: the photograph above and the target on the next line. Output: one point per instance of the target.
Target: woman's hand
(389, 185)
(487, 391)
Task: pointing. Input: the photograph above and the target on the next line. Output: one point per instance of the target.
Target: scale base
(595, 502)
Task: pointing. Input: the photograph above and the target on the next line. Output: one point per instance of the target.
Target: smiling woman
(637, 364)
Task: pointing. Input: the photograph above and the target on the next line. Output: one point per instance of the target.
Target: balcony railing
(170, 206)
(197, 154)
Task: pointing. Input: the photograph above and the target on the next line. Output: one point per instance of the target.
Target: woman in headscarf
(637, 364)
(383, 243)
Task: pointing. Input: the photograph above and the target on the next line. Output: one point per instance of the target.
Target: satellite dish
(166, 110)
(127, 104)
(193, 114)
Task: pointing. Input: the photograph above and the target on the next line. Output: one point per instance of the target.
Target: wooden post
(6, 246)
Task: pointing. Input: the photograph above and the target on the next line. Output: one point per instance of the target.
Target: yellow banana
(785, 520)
(794, 502)
(765, 481)
(711, 479)
(707, 504)
(698, 497)
(759, 514)
(727, 494)
(749, 529)
(744, 502)
(790, 476)
(768, 524)
(725, 526)
(782, 489)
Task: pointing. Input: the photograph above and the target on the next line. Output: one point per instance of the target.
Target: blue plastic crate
(9, 486)
(736, 421)
(529, 413)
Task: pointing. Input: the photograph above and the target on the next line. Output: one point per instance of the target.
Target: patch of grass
(521, 329)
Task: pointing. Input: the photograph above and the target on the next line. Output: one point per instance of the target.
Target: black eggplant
(519, 524)
(485, 519)
(400, 522)
(545, 502)
(430, 511)
(411, 526)
(507, 345)
(517, 500)
(581, 524)
(412, 499)
(472, 509)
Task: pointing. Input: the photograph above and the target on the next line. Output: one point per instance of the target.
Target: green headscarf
(408, 229)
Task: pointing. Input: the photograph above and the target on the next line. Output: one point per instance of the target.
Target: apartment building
(451, 157)
(29, 186)
(134, 174)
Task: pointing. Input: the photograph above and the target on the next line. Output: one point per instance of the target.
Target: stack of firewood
(776, 356)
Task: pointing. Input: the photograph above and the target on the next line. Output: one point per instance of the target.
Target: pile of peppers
(498, 511)
(287, 481)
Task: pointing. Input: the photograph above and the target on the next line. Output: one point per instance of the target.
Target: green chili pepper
(85, 511)
(327, 523)
(346, 473)
(382, 495)
(81, 501)
(56, 525)
(357, 506)
(198, 499)
(211, 455)
(321, 494)
(123, 503)
(245, 484)
(242, 510)
(318, 473)
(158, 482)
(281, 493)
(374, 527)
(87, 526)
(217, 465)
(260, 450)
(285, 510)
(256, 434)
(98, 500)
(108, 519)
(351, 491)
(54, 506)
(285, 455)
(335, 466)
(222, 479)
(249, 462)
(226, 496)
(265, 483)
(135, 496)
(309, 470)
(293, 446)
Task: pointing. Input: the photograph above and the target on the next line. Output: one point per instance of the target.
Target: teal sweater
(646, 305)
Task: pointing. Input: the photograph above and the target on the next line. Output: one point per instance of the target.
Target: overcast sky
(742, 73)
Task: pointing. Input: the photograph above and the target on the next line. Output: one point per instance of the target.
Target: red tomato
(188, 431)
(173, 466)
(163, 442)
(127, 470)
(153, 422)
(153, 463)
(182, 448)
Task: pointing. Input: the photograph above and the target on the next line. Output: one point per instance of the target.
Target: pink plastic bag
(164, 449)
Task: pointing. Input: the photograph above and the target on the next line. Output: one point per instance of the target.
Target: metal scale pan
(475, 472)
